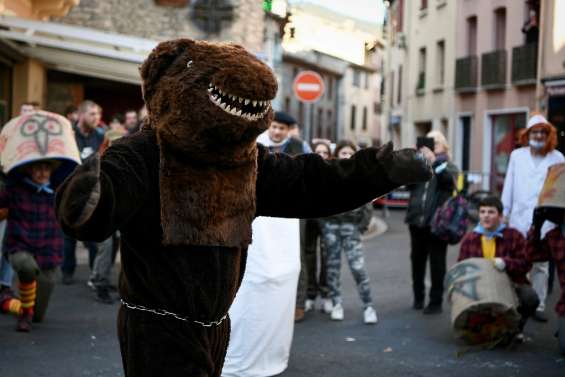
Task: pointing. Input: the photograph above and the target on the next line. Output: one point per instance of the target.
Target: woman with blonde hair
(524, 179)
(425, 199)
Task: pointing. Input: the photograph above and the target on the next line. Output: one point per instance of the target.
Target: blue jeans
(69, 255)
(6, 271)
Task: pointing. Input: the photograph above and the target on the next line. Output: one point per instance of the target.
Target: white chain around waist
(166, 313)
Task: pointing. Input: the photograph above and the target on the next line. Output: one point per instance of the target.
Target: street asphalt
(79, 337)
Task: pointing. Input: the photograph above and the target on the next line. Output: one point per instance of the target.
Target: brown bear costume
(184, 191)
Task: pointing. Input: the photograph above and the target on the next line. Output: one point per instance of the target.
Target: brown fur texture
(206, 198)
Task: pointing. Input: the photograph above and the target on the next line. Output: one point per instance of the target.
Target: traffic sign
(308, 86)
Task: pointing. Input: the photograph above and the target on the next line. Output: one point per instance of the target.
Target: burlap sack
(483, 301)
(40, 135)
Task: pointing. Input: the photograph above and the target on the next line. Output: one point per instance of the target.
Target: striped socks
(27, 296)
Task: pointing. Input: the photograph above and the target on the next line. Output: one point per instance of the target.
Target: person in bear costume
(183, 193)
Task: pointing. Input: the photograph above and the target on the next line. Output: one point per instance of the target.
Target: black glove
(404, 166)
(79, 196)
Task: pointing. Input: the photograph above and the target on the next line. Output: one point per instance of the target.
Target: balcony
(525, 64)
(493, 71)
(466, 74)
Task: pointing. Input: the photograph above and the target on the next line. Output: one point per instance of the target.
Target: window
(330, 125)
(399, 15)
(399, 91)
(356, 78)
(423, 4)
(422, 70)
(472, 36)
(364, 124)
(287, 105)
(367, 79)
(440, 64)
(500, 29)
(353, 115)
(391, 88)
(330, 87)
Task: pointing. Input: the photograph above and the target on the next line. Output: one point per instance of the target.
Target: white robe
(522, 186)
(262, 315)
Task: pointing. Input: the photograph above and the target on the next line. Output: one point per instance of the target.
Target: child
(34, 240)
(505, 246)
(343, 232)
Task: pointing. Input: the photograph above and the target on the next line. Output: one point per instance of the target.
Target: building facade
(551, 76)
(347, 53)
(495, 82)
(94, 51)
(420, 62)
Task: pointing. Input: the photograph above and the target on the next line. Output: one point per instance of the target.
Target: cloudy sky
(368, 10)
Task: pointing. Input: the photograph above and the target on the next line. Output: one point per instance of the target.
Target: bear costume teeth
(250, 110)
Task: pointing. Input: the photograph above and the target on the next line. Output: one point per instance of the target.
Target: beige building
(419, 70)
(495, 81)
(551, 83)
(347, 53)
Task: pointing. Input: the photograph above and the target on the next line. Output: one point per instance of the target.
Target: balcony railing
(525, 64)
(493, 70)
(466, 74)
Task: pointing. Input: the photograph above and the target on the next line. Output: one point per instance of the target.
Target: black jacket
(426, 198)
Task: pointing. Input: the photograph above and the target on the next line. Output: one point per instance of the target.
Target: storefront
(555, 92)
(62, 65)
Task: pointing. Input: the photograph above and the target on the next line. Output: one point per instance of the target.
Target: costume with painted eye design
(184, 191)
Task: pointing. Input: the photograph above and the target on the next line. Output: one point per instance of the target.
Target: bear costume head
(207, 102)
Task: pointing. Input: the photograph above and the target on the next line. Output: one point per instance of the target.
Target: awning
(78, 50)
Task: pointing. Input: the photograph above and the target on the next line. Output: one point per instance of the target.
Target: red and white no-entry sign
(308, 86)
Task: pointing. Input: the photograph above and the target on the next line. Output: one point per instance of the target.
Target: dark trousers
(424, 246)
(528, 302)
(561, 334)
(69, 255)
(317, 282)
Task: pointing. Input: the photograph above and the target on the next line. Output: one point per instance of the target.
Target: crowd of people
(516, 237)
(34, 248)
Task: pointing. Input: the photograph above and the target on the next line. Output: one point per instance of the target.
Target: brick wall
(144, 18)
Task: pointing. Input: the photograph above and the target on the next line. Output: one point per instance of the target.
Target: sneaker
(67, 279)
(519, 338)
(370, 315)
(308, 305)
(540, 316)
(103, 295)
(24, 322)
(433, 309)
(298, 315)
(90, 284)
(337, 313)
(327, 305)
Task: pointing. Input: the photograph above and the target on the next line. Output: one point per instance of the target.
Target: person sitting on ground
(343, 233)
(505, 246)
(34, 239)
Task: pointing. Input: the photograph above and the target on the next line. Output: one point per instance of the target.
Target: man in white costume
(524, 180)
(262, 315)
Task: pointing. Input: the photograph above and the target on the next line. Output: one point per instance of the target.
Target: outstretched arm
(102, 194)
(306, 186)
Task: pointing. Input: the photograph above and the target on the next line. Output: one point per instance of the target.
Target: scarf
(490, 235)
(40, 187)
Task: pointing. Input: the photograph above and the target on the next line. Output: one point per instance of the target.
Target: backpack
(451, 220)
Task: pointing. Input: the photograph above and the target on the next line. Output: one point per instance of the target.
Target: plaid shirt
(511, 247)
(32, 226)
(553, 245)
